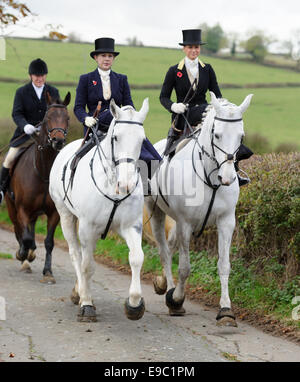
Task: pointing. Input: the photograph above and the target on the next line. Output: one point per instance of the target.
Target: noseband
(114, 138)
(229, 157)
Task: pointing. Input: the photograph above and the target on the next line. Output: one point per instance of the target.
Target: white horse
(198, 187)
(106, 193)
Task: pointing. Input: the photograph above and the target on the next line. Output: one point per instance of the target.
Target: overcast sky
(159, 22)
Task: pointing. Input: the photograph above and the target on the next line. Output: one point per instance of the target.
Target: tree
(213, 36)
(257, 47)
(12, 11)
(133, 41)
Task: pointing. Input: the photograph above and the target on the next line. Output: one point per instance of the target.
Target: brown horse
(28, 195)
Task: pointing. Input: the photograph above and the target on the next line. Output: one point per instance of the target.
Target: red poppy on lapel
(179, 74)
(94, 83)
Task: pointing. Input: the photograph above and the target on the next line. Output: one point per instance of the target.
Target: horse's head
(127, 135)
(56, 122)
(226, 136)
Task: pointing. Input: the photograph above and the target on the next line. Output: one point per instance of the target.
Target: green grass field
(273, 112)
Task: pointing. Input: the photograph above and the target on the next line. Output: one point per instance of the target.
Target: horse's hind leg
(164, 282)
(53, 220)
(68, 224)
(175, 296)
(134, 305)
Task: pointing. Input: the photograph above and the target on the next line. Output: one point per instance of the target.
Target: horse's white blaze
(87, 205)
(219, 163)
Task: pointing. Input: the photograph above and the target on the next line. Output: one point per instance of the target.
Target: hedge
(268, 214)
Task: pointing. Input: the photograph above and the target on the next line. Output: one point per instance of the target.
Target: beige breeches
(12, 153)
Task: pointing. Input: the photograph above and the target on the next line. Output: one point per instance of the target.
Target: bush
(268, 211)
(268, 216)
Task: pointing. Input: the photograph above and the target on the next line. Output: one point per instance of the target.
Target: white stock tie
(105, 79)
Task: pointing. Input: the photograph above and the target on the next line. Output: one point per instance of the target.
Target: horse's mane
(209, 113)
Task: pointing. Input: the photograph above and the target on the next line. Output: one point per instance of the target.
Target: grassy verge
(249, 289)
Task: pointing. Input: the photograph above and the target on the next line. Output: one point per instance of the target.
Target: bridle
(116, 201)
(207, 181)
(114, 138)
(49, 131)
(228, 157)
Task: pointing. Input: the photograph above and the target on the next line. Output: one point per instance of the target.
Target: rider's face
(104, 60)
(38, 81)
(191, 51)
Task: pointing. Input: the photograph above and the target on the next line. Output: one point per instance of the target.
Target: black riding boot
(173, 136)
(4, 182)
(243, 153)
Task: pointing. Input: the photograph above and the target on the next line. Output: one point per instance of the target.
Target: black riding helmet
(38, 67)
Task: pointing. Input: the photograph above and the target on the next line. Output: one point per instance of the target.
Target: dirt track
(41, 322)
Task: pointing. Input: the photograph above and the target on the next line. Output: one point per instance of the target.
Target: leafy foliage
(11, 11)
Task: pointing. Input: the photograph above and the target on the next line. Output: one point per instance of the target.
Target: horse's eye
(115, 138)
(217, 136)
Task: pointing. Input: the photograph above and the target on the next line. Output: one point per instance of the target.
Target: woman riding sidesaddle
(191, 79)
(103, 84)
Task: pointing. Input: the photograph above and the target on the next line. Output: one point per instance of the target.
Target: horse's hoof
(134, 312)
(25, 267)
(87, 313)
(31, 255)
(175, 307)
(160, 284)
(48, 278)
(75, 297)
(226, 317)
(18, 257)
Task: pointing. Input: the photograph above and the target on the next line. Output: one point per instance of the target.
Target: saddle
(82, 151)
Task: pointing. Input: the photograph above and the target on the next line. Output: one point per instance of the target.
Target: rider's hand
(29, 129)
(90, 121)
(178, 108)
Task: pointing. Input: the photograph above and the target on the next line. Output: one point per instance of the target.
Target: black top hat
(192, 37)
(38, 67)
(104, 45)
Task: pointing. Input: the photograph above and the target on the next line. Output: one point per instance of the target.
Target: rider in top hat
(28, 111)
(103, 84)
(191, 79)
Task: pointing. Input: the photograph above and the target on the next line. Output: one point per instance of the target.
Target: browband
(228, 120)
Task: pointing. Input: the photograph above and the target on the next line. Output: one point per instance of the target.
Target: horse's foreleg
(175, 297)
(12, 212)
(88, 239)
(53, 220)
(164, 282)
(134, 305)
(225, 230)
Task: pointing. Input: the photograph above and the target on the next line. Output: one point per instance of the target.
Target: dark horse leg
(23, 253)
(53, 220)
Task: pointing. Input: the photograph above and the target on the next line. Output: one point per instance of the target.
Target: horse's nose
(58, 143)
(224, 183)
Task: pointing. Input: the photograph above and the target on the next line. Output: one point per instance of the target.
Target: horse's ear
(67, 99)
(245, 104)
(114, 109)
(144, 109)
(215, 102)
(49, 99)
